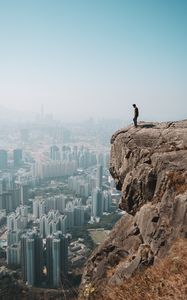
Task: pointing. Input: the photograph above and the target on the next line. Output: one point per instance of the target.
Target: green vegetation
(82, 232)
(107, 222)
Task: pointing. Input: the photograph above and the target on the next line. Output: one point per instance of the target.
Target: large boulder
(149, 165)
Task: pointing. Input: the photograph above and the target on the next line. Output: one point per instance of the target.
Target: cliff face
(149, 165)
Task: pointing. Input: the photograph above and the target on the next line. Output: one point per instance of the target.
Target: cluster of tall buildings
(52, 222)
(76, 213)
(83, 157)
(32, 260)
(38, 250)
(16, 224)
(12, 192)
(64, 161)
(37, 229)
(57, 213)
(6, 163)
(18, 219)
(51, 169)
(101, 199)
(42, 205)
(56, 259)
(101, 202)
(42, 252)
(41, 213)
(84, 186)
(37, 256)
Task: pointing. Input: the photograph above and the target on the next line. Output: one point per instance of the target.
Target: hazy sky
(95, 57)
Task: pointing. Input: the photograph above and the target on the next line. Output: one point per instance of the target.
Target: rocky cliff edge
(149, 165)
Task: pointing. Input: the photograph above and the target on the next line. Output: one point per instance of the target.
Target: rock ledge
(149, 165)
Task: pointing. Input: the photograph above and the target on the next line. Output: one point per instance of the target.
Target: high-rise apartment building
(69, 212)
(3, 159)
(39, 207)
(13, 255)
(97, 203)
(17, 157)
(57, 259)
(16, 221)
(6, 201)
(24, 193)
(78, 215)
(13, 237)
(99, 176)
(54, 153)
(52, 222)
(54, 169)
(32, 258)
(107, 201)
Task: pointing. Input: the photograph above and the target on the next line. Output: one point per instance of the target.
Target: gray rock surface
(149, 165)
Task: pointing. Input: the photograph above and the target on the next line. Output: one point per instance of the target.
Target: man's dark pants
(135, 121)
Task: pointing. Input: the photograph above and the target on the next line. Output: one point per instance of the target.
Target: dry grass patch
(166, 280)
(178, 181)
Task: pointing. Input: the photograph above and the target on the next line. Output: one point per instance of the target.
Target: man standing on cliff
(136, 114)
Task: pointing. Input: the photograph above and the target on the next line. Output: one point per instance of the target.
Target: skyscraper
(56, 255)
(30, 261)
(17, 156)
(49, 260)
(24, 193)
(97, 203)
(57, 259)
(69, 212)
(6, 201)
(13, 255)
(107, 200)
(54, 153)
(32, 258)
(99, 176)
(35, 208)
(3, 159)
(43, 226)
(13, 237)
(78, 215)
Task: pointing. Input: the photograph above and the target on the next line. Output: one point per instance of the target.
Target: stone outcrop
(149, 165)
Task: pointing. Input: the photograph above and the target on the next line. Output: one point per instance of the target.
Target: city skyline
(81, 58)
